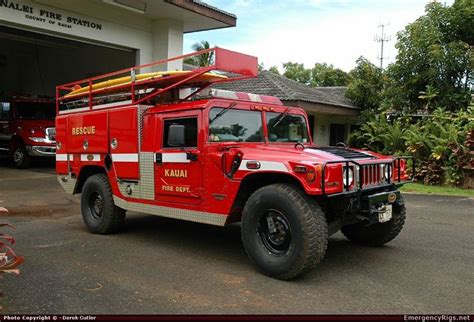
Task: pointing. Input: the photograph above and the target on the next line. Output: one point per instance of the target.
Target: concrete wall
(322, 124)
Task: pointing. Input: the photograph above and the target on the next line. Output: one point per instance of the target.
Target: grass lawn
(437, 190)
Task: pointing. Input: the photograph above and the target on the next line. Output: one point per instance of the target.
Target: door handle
(191, 156)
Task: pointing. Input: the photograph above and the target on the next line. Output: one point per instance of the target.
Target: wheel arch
(251, 183)
(15, 141)
(85, 173)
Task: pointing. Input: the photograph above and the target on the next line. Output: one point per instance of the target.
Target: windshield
(235, 125)
(290, 128)
(35, 110)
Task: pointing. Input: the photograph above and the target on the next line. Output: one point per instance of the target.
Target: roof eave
(206, 10)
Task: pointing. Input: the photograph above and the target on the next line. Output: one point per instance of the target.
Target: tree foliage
(366, 85)
(437, 142)
(434, 52)
(202, 60)
(324, 75)
(297, 72)
(274, 70)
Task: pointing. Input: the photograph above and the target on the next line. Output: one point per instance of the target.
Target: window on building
(190, 131)
(337, 133)
(231, 125)
(286, 128)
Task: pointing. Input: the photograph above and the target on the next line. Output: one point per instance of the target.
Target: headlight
(38, 139)
(348, 173)
(385, 171)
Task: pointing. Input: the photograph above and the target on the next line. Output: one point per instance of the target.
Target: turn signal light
(253, 165)
(300, 169)
(310, 176)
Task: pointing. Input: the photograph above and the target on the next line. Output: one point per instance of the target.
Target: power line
(382, 38)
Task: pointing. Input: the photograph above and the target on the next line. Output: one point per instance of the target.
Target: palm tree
(202, 60)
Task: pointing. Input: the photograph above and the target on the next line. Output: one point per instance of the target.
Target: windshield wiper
(224, 110)
(281, 117)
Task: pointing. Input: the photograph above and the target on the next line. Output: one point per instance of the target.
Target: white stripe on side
(265, 166)
(95, 157)
(71, 157)
(125, 157)
(61, 157)
(174, 158)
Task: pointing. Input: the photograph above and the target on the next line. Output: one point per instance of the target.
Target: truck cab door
(178, 169)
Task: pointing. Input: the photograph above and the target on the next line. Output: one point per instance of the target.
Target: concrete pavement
(163, 266)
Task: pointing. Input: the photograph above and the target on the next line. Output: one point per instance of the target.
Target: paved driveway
(162, 266)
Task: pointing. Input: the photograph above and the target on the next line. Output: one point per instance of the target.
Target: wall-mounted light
(135, 6)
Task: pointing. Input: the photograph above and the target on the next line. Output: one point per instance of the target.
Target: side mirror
(176, 135)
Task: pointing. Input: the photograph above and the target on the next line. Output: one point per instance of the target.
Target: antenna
(382, 38)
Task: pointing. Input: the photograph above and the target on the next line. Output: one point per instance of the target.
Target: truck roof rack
(137, 85)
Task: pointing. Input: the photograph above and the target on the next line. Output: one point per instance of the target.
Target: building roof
(268, 83)
(201, 11)
(202, 3)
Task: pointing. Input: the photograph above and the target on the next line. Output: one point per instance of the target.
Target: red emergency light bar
(240, 66)
(221, 93)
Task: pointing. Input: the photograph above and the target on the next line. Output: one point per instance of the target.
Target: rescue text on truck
(166, 144)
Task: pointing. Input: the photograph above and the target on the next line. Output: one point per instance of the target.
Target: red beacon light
(265, 99)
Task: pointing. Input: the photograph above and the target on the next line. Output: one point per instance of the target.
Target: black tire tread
(314, 222)
(26, 159)
(112, 223)
(379, 234)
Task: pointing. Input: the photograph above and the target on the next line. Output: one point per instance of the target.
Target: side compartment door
(178, 170)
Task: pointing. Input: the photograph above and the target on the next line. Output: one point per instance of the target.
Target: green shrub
(438, 142)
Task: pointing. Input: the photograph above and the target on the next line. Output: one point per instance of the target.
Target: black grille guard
(359, 185)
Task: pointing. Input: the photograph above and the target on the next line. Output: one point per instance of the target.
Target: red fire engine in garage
(164, 143)
(27, 129)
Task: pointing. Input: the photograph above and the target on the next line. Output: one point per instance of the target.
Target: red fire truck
(27, 129)
(164, 143)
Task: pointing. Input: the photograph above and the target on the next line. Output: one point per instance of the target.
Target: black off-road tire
(377, 234)
(308, 226)
(110, 218)
(19, 157)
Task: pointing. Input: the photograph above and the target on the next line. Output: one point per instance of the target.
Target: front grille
(344, 153)
(371, 175)
(51, 134)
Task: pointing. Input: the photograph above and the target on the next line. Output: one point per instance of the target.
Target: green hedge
(442, 143)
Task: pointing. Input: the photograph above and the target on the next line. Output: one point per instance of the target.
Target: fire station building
(48, 42)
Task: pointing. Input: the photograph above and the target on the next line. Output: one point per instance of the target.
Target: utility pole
(382, 39)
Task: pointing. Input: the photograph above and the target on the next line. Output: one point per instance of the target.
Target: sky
(336, 32)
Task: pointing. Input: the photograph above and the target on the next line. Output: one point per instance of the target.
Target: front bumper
(41, 150)
(372, 205)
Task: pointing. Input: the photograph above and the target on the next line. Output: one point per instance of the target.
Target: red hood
(309, 154)
(37, 125)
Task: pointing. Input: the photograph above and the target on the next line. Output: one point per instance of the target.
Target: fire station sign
(48, 16)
